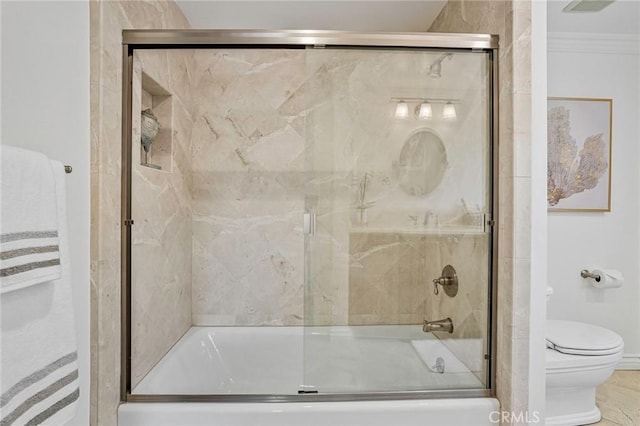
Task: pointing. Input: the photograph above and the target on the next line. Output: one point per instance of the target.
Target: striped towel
(29, 241)
(48, 390)
(39, 382)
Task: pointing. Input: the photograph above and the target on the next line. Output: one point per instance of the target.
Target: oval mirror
(422, 162)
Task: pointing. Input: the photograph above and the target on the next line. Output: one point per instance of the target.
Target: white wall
(45, 107)
(538, 310)
(600, 66)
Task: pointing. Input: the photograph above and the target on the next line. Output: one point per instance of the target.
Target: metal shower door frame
(297, 39)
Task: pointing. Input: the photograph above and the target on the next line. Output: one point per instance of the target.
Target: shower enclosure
(310, 216)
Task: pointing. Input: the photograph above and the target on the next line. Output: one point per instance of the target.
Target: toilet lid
(577, 338)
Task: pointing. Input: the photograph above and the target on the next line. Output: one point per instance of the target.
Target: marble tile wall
(354, 132)
(267, 149)
(468, 310)
(387, 282)
(161, 206)
(107, 20)
(511, 20)
(371, 271)
(248, 187)
(391, 282)
(249, 147)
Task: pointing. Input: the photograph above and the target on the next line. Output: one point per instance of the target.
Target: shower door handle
(309, 225)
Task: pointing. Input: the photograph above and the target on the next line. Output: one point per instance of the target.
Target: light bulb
(402, 110)
(424, 111)
(449, 111)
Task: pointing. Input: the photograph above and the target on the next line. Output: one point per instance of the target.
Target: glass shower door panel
(398, 186)
(217, 250)
(161, 237)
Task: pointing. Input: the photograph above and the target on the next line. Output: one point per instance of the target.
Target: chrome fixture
(435, 69)
(438, 325)
(68, 169)
(439, 367)
(586, 274)
(361, 205)
(587, 5)
(448, 280)
(309, 223)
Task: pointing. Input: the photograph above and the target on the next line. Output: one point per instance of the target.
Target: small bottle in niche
(149, 128)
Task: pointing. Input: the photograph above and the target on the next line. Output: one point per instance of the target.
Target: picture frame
(579, 141)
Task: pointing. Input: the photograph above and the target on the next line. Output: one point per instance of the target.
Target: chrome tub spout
(439, 325)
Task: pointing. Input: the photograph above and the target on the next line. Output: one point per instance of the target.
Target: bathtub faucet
(439, 325)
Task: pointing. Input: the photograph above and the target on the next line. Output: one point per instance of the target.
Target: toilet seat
(557, 362)
(576, 338)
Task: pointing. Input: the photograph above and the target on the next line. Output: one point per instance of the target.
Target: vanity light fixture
(449, 112)
(423, 108)
(402, 109)
(424, 111)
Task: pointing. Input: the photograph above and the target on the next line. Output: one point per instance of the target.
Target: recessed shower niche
(156, 113)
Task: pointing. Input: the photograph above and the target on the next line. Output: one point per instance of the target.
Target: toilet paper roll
(609, 278)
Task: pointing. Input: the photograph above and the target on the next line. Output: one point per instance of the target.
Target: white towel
(29, 243)
(38, 356)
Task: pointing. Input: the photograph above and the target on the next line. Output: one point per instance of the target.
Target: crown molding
(614, 44)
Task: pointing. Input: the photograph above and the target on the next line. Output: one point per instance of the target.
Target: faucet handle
(443, 281)
(448, 281)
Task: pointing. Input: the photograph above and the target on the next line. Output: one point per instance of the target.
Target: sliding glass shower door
(398, 147)
(308, 219)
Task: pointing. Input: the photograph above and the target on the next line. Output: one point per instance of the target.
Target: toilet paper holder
(586, 274)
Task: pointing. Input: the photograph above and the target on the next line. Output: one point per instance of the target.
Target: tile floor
(619, 399)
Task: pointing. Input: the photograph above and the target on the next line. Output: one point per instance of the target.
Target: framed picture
(579, 154)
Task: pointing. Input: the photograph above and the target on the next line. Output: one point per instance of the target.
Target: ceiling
(362, 15)
(621, 17)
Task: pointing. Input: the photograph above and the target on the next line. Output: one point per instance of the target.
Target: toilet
(579, 357)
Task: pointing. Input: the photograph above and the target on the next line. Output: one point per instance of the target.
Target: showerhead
(435, 69)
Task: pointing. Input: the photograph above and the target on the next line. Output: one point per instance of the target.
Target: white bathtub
(285, 360)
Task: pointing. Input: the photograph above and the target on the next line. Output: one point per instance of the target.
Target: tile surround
(161, 206)
(248, 187)
(267, 149)
(390, 281)
(511, 20)
(107, 20)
